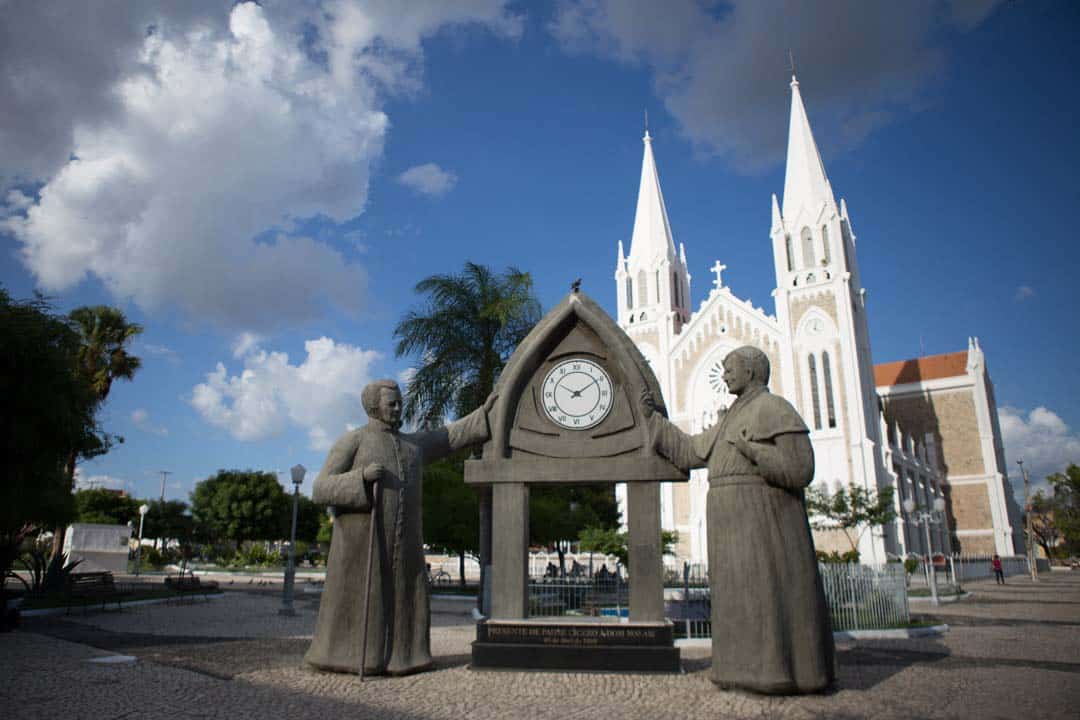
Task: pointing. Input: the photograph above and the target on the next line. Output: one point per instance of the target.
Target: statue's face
(390, 407)
(737, 374)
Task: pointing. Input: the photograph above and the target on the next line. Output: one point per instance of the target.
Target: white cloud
(428, 179)
(721, 69)
(161, 351)
(1041, 439)
(89, 482)
(244, 343)
(140, 417)
(321, 395)
(1023, 293)
(192, 143)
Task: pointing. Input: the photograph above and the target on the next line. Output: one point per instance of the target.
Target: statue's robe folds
(770, 623)
(399, 613)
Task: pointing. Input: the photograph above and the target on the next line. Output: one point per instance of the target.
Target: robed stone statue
(770, 624)
(379, 462)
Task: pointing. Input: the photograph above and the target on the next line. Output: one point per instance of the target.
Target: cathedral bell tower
(821, 310)
(653, 283)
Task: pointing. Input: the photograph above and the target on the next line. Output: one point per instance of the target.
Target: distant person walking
(999, 574)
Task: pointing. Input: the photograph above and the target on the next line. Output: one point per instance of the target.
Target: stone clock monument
(568, 412)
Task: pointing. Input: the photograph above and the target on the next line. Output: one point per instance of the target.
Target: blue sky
(262, 186)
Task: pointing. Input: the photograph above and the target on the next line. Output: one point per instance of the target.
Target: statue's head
(382, 400)
(745, 368)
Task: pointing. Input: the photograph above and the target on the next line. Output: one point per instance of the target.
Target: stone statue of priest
(378, 461)
(770, 624)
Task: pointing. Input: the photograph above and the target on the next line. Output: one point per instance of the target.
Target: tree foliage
(46, 411)
(1055, 517)
(239, 505)
(106, 507)
(101, 357)
(169, 520)
(852, 510)
(461, 340)
(561, 512)
(451, 519)
(609, 541)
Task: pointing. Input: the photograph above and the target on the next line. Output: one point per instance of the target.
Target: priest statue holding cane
(375, 616)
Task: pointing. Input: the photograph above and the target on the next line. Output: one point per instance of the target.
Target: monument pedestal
(575, 644)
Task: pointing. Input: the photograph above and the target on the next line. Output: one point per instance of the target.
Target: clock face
(815, 326)
(577, 394)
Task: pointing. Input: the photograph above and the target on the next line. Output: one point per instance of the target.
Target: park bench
(93, 587)
(186, 585)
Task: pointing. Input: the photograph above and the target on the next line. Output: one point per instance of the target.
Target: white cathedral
(926, 427)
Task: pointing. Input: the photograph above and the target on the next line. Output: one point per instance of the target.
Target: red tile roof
(920, 369)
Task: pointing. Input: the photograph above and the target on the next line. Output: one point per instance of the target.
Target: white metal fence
(862, 597)
(977, 567)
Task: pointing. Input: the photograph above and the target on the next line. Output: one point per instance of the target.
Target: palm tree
(471, 325)
(102, 357)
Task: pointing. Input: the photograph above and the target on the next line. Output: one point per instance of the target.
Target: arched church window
(642, 288)
(629, 294)
(830, 405)
(825, 244)
(807, 248)
(790, 253)
(675, 289)
(815, 398)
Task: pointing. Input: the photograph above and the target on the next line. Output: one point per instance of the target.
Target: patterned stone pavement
(1013, 651)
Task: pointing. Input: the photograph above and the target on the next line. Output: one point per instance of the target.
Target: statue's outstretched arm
(685, 452)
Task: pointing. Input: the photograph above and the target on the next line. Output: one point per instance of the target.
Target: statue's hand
(374, 472)
(648, 403)
(744, 445)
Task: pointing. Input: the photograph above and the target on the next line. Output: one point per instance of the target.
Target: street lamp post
(1029, 548)
(927, 519)
(143, 509)
(298, 472)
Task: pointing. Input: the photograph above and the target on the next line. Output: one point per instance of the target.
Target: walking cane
(367, 588)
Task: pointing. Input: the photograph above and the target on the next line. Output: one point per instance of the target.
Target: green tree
(461, 339)
(851, 510)
(240, 505)
(1044, 529)
(1063, 509)
(102, 358)
(308, 519)
(609, 541)
(169, 520)
(450, 510)
(558, 513)
(107, 507)
(46, 411)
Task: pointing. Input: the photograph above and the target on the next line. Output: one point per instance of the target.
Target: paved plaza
(1012, 651)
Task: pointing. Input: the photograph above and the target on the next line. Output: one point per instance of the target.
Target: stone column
(646, 564)
(510, 551)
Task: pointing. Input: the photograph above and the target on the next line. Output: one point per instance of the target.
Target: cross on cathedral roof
(718, 268)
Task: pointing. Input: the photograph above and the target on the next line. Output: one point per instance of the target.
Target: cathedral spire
(805, 183)
(651, 239)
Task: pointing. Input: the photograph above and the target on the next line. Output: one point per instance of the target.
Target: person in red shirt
(999, 574)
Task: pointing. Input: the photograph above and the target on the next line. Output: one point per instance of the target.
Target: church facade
(818, 343)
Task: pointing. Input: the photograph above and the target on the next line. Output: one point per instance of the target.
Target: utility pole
(164, 475)
(1028, 547)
